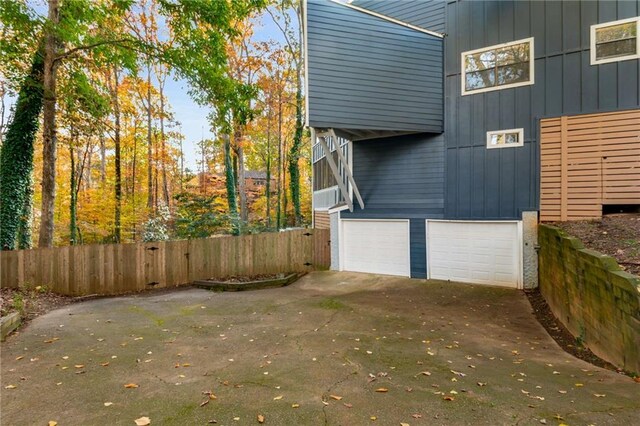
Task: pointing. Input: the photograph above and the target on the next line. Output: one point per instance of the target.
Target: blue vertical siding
(501, 183)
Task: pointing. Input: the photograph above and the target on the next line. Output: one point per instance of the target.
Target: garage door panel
(480, 252)
(380, 247)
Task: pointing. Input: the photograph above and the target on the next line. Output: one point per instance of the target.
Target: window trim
(592, 41)
(519, 131)
(465, 92)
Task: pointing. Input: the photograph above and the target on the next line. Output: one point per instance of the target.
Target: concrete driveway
(334, 348)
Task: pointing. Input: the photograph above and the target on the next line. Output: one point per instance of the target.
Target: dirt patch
(31, 303)
(560, 334)
(615, 235)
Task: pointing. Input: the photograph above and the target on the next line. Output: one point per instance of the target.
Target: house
(214, 183)
(443, 131)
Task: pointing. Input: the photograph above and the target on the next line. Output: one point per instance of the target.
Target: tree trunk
(133, 176)
(24, 226)
(294, 154)
(118, 174)
(163, 150)
(16, 160)
(230, 184)
(268, 167)
(73, 202)
(242, 184)
(103, 159)
(279, 179)
(149, 144)
(49, 140)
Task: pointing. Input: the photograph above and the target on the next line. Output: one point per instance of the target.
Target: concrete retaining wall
(589, 293)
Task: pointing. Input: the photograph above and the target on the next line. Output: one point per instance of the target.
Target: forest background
(91, 150)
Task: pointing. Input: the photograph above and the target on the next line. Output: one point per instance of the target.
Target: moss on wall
(597, 301)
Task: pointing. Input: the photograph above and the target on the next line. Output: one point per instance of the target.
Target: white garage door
(475, 252)
(375, 246)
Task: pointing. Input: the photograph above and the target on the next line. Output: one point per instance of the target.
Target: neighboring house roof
(255, 174)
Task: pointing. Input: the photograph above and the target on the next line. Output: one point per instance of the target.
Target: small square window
(615, 41)
(505, 138)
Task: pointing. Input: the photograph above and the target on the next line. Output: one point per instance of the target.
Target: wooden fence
(122, 268)
(588, 161)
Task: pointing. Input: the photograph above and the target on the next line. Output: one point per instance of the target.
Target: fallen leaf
(425, 373)
(579, 385)
(236, 419)
(53, 423)
(79, 366)
(19, 358)
(186, 365)
(108, 404)
(382, 390)
(104, 364)
(143, 421)
(457, 373)
(404, 424)
(295, 405)
(448, 398)
(131, 386)
(373, 418)
(10, 387)
(205, 402)
(348, 405)
(599, 395)
(562, 391)
(416, 416)
(336, 397)
(277, 398)
(260, 418)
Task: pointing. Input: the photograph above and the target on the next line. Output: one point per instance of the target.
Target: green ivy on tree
(16, 160)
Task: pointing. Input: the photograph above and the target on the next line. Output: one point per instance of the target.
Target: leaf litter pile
(615, 235)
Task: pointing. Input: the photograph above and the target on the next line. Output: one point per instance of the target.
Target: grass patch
(332, 304)
(148, 314)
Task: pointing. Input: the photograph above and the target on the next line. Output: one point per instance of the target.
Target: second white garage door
(375, 246)
(475, 252)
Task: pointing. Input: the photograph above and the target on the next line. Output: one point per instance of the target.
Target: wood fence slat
(123, 268)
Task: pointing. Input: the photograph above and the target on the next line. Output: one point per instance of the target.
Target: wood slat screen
(587, 161)
(321, 219)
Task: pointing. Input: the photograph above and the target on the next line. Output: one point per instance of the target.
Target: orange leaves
(131, 386)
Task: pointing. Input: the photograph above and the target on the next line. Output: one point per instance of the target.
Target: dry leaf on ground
(131, 386)
(336, 397)
(260, 418)
(143, 421)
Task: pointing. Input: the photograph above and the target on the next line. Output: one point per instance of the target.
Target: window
(505, 138)
(498, 67)
(615, 41)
